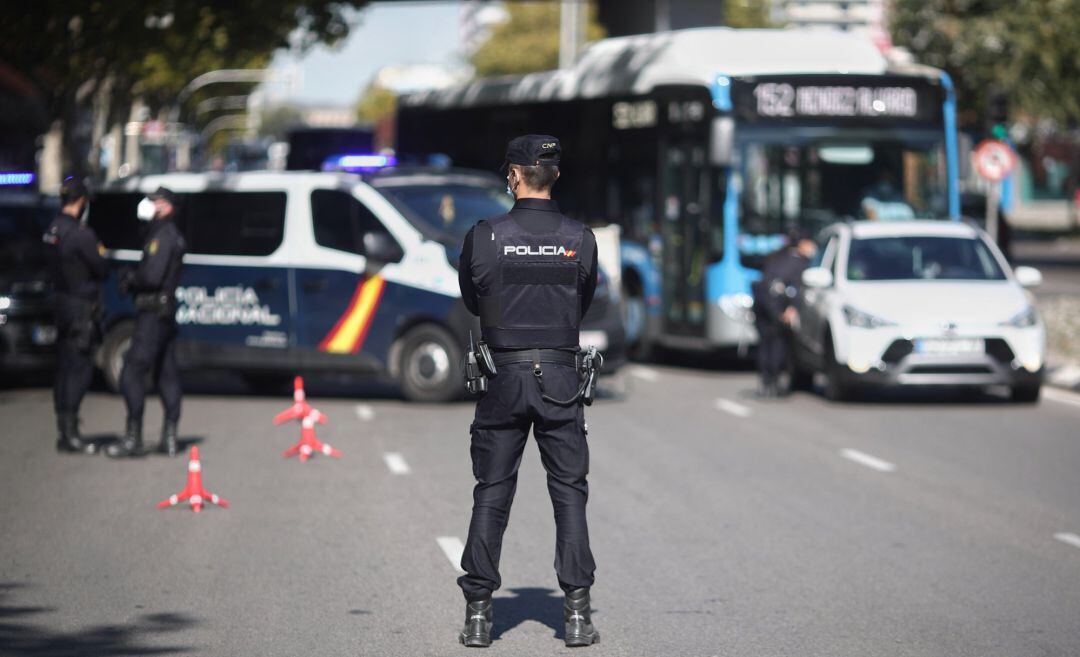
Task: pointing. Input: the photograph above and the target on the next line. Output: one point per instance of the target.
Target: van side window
(340, 221)
(233, 223)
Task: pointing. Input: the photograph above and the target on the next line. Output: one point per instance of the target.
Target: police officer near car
(78, 264)
(530, 276)
(153, 343)
(775, 311)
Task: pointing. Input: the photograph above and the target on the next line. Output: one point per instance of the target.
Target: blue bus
(708, 146)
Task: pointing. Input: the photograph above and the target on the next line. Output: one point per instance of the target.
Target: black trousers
(773, 350)
(504, 415)
(74, 362)
(153, 349)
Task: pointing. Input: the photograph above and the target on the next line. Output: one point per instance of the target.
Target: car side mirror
(817, 277)
(380, 247)
(1028, 276)
(722, 142)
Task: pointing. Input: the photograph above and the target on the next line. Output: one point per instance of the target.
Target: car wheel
(1026, 394)
(801, 379)
(430, 365)
(113, 351)
(835, 388)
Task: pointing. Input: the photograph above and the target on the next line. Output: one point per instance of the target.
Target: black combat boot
(477, 630)
(131, 444)
(578, 613)
(168, 443)
(68, 439)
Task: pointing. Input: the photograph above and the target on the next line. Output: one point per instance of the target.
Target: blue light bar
(13, 178)
(358, 162)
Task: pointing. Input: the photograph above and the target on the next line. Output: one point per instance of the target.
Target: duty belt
(557, 356)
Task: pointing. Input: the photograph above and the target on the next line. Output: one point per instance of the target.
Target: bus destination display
(821, 99)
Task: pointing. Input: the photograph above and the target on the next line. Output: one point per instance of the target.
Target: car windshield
(451, 209)
(921, 258)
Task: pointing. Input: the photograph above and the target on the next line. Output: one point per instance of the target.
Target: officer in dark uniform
(78, 266)
(530, 276)
(153, 343)
(775, 313)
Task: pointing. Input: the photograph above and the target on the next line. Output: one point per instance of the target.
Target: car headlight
(737, 306)
(5, 302)
(1022, 319)
(860, 319)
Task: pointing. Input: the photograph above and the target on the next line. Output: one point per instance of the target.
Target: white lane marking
(396, 463)
(735, 408)
(1061, 396)
(365, 412)
(1068, 538)
(862, 458)
(645, 374)
(453, 548)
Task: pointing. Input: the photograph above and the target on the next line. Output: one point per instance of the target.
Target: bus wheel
(113, 350)
(430, 365)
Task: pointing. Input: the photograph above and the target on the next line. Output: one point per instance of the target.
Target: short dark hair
(540, 176)
(71, 190)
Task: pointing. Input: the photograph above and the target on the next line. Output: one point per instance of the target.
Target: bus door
(685, 231)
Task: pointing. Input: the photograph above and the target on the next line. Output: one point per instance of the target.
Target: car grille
(999, 350)
(950, 369)
(897, 351)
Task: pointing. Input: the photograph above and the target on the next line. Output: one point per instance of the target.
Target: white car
(917, 303)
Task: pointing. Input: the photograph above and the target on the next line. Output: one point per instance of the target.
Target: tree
(84, 55)
(1025, 50)
(376, 103)
(528, 41)
(747, 13)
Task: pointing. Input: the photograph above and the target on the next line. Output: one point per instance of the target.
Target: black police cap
(165, 194)
(72, 189)
(531, 150)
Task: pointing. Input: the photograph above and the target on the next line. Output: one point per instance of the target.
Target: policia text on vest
(530, 276)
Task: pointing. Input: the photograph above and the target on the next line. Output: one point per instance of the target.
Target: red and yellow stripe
(352, 327)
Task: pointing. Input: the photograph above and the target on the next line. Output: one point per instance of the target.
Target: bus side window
(340, 221)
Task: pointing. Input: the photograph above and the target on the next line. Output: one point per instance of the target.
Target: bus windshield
(810, 183)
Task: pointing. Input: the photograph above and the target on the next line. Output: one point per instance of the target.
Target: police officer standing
(153, 343)
(78, 266)
(775, 314)
(530, 276)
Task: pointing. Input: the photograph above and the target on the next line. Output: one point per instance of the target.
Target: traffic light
(997, 113)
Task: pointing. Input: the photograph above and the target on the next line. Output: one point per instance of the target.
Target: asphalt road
(722, 525)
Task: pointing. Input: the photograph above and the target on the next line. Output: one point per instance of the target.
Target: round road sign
(994, 159)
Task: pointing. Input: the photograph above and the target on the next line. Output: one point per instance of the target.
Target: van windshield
(451, 209)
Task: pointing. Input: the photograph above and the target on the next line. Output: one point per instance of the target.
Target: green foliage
(376, 104)
(73, 51)
(1027, 50)
(528, 41)
(748, 13)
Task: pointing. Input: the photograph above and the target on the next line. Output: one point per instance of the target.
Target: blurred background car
(27, 330)
(918, 303)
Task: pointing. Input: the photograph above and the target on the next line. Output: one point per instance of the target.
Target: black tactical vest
(529, 284)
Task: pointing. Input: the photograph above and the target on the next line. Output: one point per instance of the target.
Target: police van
(290, 272)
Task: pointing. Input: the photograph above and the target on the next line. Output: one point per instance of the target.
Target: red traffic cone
(193, 492)
(300, 408)
(309, 444)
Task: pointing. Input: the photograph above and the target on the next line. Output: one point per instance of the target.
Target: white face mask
(145, 211)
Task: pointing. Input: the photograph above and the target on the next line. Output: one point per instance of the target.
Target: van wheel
(430, 365)
(113, 351)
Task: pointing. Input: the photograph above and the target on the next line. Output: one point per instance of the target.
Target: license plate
(43, 335)
(596, 339)
(950, 347)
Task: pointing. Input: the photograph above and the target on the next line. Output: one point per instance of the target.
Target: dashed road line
(645, 374)
(365, 412)
(1068, 538)
(872, 462)
(453, 548)
(734, 408)
(1061, 396)
(395, 462)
